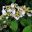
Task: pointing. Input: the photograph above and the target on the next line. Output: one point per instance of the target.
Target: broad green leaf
(14, 25)
(9, 1)
(26, 22)
(13, 1)
(27, 29)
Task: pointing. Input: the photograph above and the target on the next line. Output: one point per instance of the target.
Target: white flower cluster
(14, 10)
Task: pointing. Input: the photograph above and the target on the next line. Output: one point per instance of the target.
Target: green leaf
(13, 1)
(14, 25)
(27, 29)
(25, 22)
(9, 1)
(1, 22)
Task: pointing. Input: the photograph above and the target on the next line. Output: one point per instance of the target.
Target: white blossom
(18, 8)
(7, 17)
(12, 5)
(3, 7)
(16, 18)
(3, 12)
(9, 10)
(31, 11)
(16, 5)
(29, 14)
(13, 11)
(22, 12)
(4, 21)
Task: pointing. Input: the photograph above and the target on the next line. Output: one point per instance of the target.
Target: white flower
(4, 21)
(3, 7)
(16, 18)
(31, 11)
(7, 17)
(12, 5)
(16, 5)
(9, 10)
(29, 14)
(22, 12)
(18, 8)
(3, 12)
(24, 6)
(13, 11)
(0, 18)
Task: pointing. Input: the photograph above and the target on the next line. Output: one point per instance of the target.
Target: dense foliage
(14, 25)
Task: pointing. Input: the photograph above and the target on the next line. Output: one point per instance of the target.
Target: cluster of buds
(15, 11)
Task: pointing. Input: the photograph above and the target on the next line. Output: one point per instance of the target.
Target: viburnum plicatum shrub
(12, 14)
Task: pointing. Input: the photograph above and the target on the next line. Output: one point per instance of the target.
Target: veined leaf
(14, 25)
(27, 29)
(26, 22)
